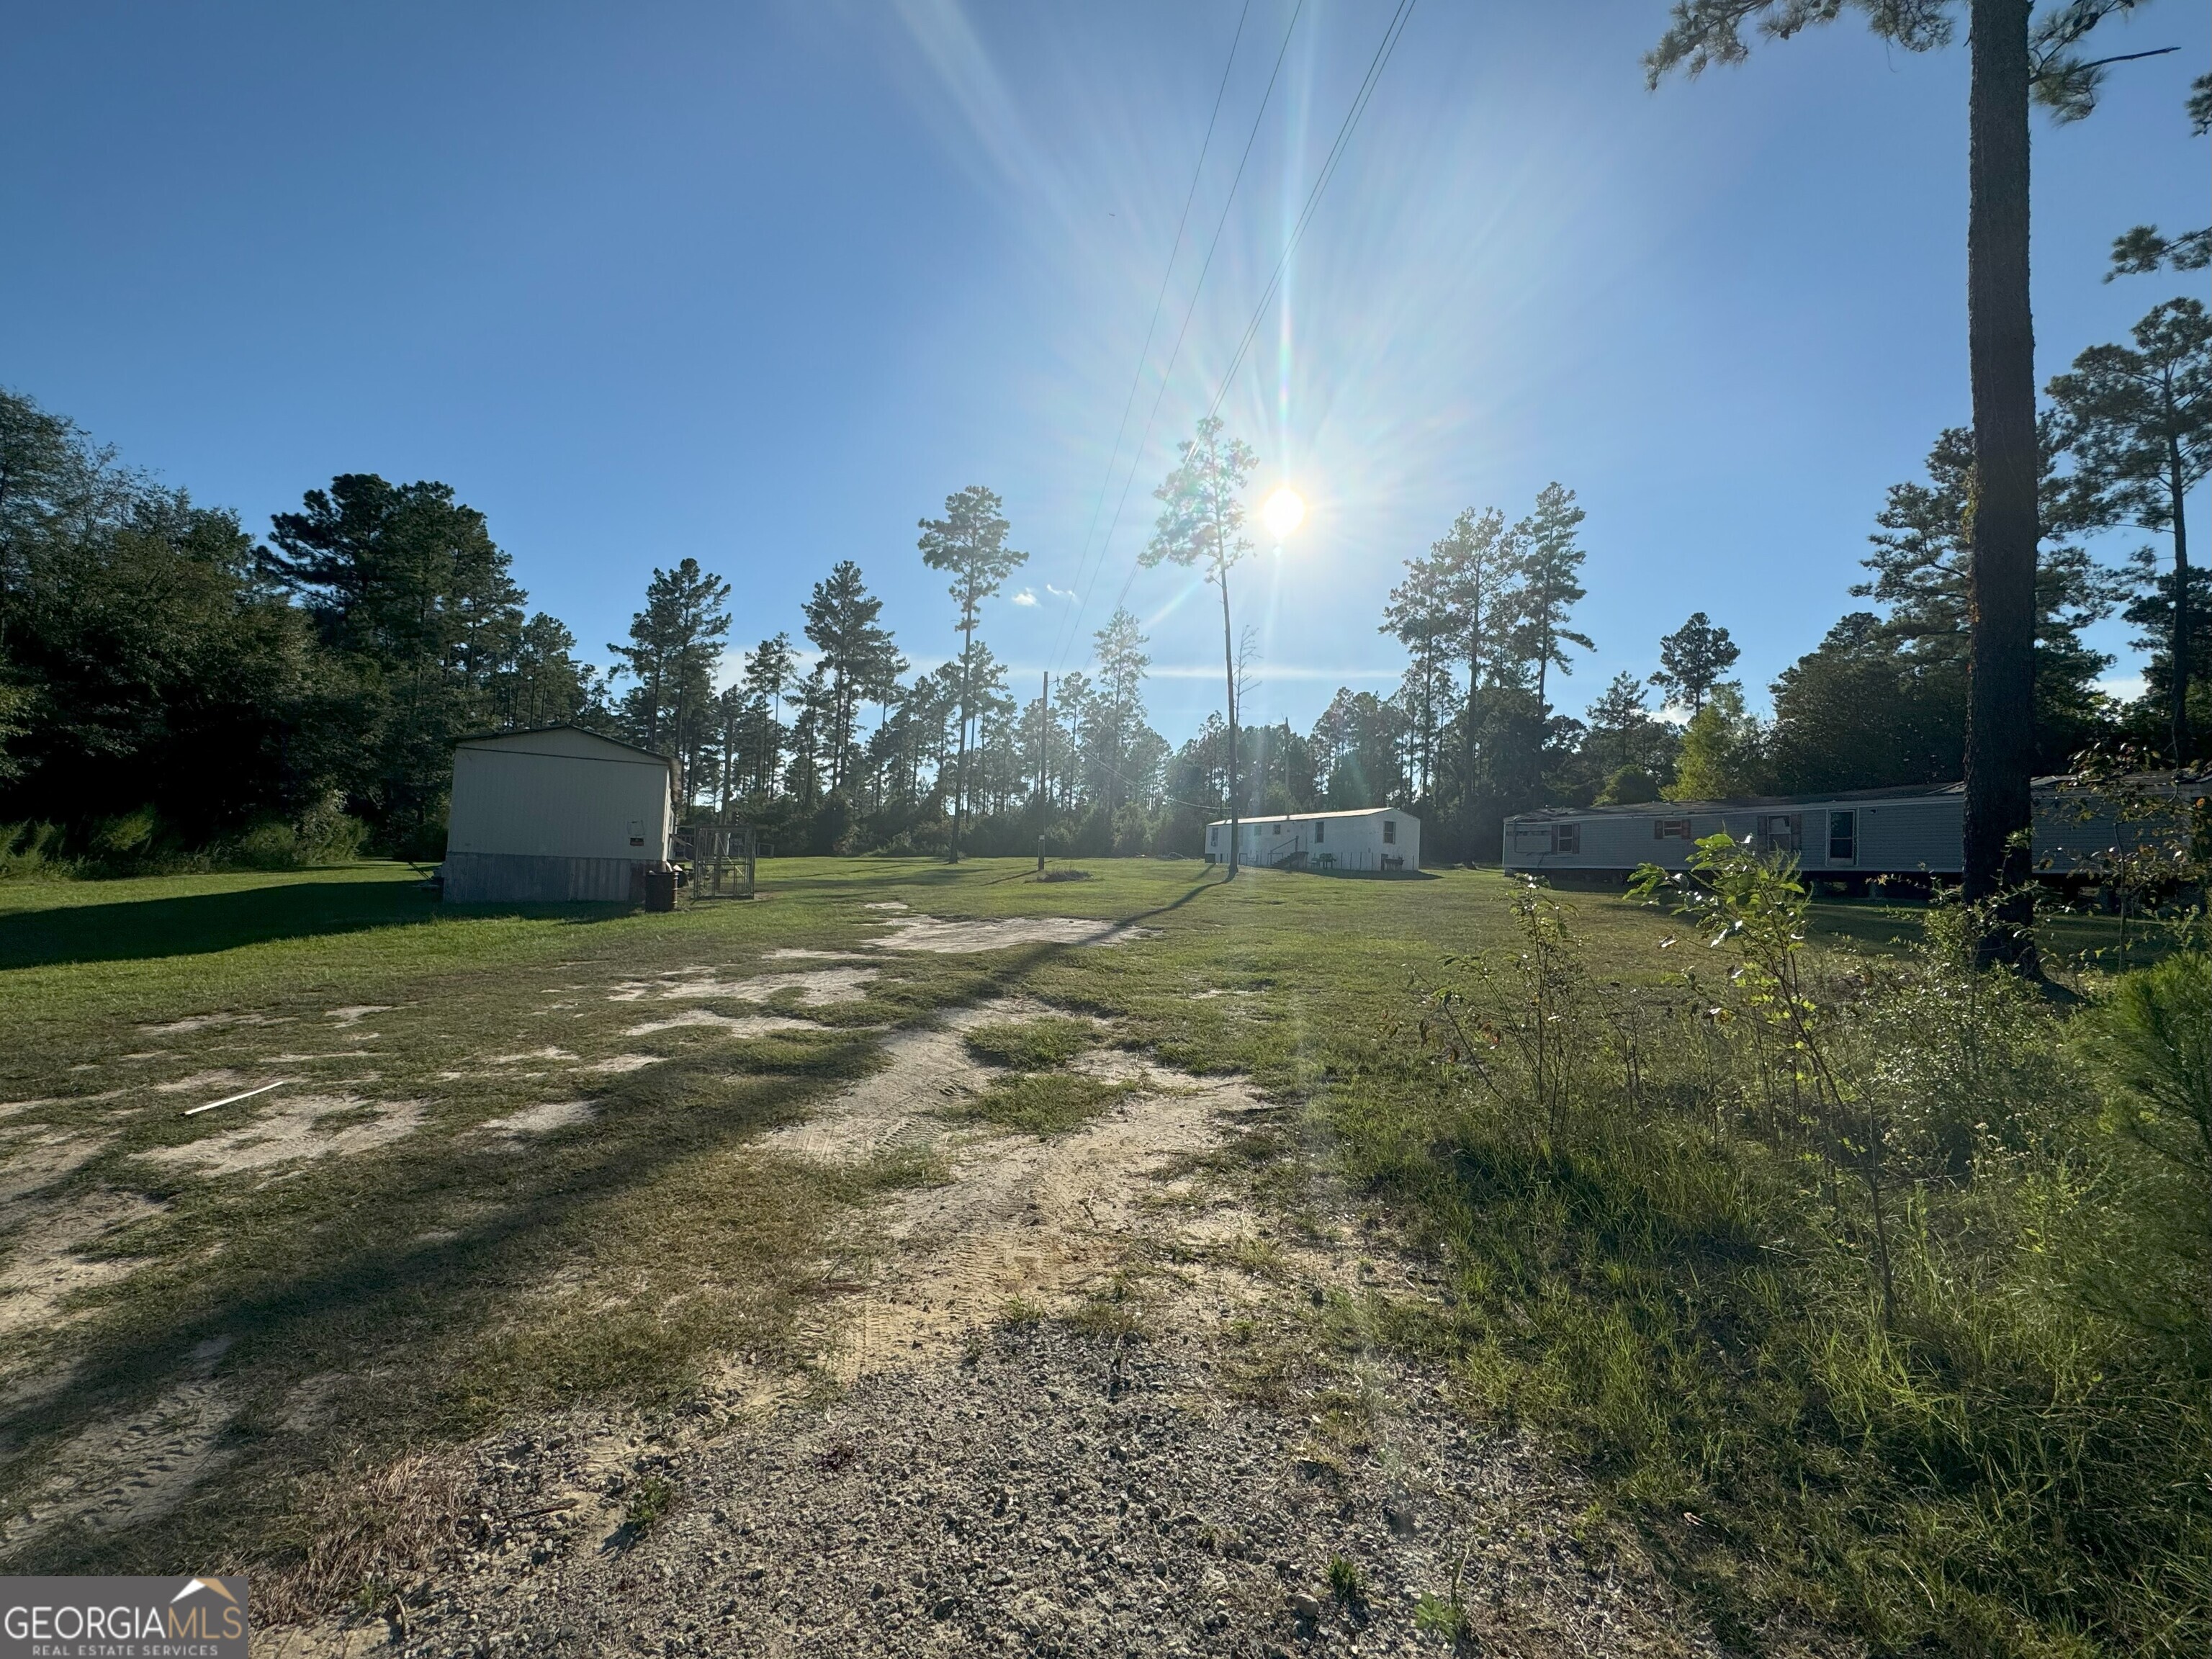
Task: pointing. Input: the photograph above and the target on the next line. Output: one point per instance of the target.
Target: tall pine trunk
(2001, 350)
(960, 782)
(2178, 653)
(1229, 669)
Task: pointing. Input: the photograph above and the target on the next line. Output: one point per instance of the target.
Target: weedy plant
(649, 1501)
(1347, 1585)
(1895, 1272)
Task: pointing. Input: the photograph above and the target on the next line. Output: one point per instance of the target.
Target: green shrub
(32, 852)
(328, 834)
(274, 845)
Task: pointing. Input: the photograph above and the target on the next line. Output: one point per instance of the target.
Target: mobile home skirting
(529, 879)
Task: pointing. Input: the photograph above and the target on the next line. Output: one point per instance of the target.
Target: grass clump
(1347, 1585)
(1047, 1103)
(1032, 1045)
(649, 1501)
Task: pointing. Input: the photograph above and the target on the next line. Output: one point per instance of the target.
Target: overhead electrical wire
(1159, 304)
(1359, 102)
(1136, 456)
(1392, 32)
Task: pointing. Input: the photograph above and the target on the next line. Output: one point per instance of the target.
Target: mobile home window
(1389, 832)
(1321, 831)
(1670, 829)
(1213, 835)
(1842, 837)
(1570, 838)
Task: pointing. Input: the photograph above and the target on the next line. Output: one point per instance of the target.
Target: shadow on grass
(411, 1279)
(135, 930)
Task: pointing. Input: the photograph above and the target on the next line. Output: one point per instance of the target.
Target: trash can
(660, 888)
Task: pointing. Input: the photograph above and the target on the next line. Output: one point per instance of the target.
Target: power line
(1392, 32)
(1360, 100)
(1159, 304)
(1136, 456)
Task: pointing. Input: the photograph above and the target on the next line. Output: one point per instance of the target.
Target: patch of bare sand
(517, 1128)
(1041, 1220)
(137, 1466)
(296, 1128)
(45, 1264)
(815, 986)
(616, 1064)
(735, 1025)
(926, 1070)
(223, 1077)
(354, 1016)
(205, 1022)
(39, 1161)
(964, 938)
(530, 1054)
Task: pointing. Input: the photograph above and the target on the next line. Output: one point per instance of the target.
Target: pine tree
(1201, 523)
(675, 643)
(2016, 59)
(1118, 711)
(1419, 612)
(2137, 422)
(406, 586)
(1549, 586)
(971, 542)
(857, 655)
(1923, 571)
(1692, 660)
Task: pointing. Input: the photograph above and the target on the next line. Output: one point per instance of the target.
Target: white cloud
(1028, 596)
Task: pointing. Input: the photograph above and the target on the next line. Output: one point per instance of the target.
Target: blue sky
(761, 284)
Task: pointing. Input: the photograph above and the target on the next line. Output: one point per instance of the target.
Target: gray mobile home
(1910, 830)
(1371, 838)
(554, 815)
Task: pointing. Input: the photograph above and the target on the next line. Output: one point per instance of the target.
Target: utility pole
(1044, 745)
(1044, 762)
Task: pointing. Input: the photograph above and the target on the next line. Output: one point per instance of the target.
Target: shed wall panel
(543, 804)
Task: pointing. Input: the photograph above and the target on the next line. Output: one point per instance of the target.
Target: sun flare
(1282, 512)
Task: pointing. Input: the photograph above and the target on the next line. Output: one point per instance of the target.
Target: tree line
(168, 683)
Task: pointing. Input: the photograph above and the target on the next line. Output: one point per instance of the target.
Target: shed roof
(486, 739)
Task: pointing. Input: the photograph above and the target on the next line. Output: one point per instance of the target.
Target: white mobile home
(1370, 839)
(555, 816)
(1909, 830)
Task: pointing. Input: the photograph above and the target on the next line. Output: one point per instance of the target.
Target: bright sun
(1282, 512)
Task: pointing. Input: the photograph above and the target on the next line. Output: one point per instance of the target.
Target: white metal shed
(1371, 838)
(555, 815)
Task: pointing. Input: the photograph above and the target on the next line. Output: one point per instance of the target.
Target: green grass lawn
(451, 1273)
